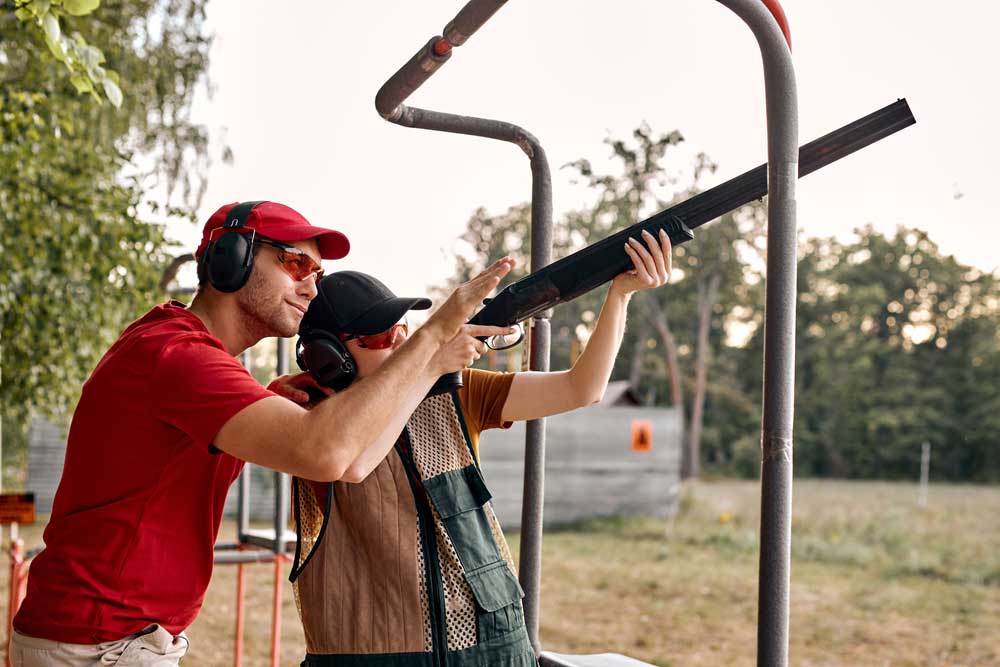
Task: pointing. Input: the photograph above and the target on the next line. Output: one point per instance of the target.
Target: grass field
(876, 581)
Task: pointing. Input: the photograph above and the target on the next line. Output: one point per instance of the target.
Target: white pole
(925, 468)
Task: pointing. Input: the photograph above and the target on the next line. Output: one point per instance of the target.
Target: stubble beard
(263, 311)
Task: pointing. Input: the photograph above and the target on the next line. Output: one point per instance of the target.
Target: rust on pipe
(279, 561)
(778, 13)
(241, 587)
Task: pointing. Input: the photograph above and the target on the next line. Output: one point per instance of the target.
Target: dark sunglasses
(296, 263)
(380, 341)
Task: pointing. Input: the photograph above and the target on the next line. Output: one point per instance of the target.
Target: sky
(294, 88)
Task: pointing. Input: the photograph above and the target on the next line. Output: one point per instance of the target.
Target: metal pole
(282, 482)
(779, 331)
(532, 502)
(389, 103)
(282, 487)
(530, 561)
(276, 611)
(241, 587)
(243, 497)
(16, 553)
(925, 472)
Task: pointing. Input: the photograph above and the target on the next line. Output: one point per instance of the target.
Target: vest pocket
(498, 595)
(494, 586)
(459, 496)
(458, 491)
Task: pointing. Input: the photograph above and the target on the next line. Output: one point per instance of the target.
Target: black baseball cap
(351, 302)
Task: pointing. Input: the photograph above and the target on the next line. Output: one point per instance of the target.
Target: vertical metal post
(925, 472)
(243, 496)
(282, 482)
(282, 490)
(16, 553)
(532, 502)
(779, 331)
(530, 561)
(276, 610)
(241, 587)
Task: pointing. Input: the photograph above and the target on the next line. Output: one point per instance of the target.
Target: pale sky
(295, 87)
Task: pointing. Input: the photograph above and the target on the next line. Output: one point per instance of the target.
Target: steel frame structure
(766, 20)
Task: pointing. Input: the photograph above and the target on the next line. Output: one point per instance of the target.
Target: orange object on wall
(17, 508)
(642, 435)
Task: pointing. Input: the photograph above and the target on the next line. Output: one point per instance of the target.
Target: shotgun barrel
(590, 267)
(599, 262)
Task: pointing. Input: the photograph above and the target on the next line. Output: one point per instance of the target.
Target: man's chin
(287, 330)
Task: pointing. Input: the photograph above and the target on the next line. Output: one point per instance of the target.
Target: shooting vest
(409, 567)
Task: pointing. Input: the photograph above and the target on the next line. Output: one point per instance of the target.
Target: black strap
(238, 214)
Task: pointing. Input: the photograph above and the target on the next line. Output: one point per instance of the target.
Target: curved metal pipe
(779, 332)
(389, 103)
(530, 560)
(430, 57)
(778, 13)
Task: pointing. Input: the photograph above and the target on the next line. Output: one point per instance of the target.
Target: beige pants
(153, 647)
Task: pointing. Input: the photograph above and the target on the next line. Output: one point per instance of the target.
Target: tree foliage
(80, 255)
(896, 343)
(83, 61)
(673, 333)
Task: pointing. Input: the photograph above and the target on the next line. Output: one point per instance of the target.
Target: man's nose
(307, 287)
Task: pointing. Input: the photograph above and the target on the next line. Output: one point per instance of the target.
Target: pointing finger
(485, 331)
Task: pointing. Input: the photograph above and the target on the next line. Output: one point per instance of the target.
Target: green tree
(894, 346)
(80, 255)
(83, 61)
(713, 283)
(673, 334)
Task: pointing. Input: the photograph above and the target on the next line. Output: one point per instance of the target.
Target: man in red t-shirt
(166, 420)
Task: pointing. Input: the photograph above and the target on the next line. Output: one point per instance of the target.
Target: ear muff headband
(326, 358)
(228, 258)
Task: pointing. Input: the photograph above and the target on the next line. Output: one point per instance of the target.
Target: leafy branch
(83, 61)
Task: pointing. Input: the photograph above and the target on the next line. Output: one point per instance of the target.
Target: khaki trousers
(153, 647)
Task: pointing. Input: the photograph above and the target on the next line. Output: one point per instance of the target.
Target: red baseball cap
(280, 223)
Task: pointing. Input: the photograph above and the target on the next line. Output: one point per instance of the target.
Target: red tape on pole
(779, 15)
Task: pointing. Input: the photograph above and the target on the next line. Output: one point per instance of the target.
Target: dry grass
(876, 581)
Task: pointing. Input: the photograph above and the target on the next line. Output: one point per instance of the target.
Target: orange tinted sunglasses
(380, 341)
(296, 263)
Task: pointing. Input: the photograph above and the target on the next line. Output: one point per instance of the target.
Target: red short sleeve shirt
(134, 521)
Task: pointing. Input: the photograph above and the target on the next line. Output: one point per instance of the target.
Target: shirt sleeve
(198, 387)
(483, 395)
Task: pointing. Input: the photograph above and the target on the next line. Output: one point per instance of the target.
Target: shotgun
(585, 269)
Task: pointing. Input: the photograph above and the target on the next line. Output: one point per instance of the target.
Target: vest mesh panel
(425, 605)
(438, 441)
(309, 525)
(434, 455)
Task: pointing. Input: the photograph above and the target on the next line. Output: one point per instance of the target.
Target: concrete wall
(590, 469)
(46, 453)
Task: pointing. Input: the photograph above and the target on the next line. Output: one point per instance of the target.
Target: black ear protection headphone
(327, 359)
(228, 258)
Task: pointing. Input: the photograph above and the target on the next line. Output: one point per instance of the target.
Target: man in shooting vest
(410, 566)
